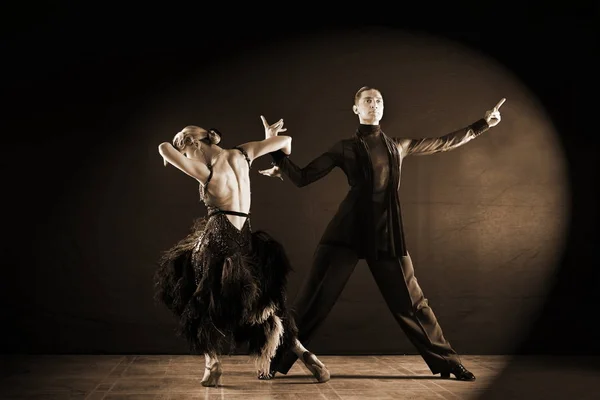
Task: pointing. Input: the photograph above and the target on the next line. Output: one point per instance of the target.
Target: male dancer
(368, 225)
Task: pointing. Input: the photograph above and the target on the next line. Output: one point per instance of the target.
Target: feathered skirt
(227, 287)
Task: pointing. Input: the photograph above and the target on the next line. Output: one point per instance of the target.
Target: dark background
(502, 232)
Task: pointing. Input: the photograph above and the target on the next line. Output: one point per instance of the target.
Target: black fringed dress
(227, 287)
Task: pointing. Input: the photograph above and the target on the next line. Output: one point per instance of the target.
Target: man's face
(369, 107)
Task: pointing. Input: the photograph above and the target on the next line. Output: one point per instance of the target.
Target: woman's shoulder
(240, 151)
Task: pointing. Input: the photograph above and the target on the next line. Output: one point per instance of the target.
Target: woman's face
(194, 140)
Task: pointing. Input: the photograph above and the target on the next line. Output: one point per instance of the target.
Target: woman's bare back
(229, 186)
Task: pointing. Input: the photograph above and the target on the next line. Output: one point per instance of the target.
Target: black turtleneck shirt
(379, 155)
(380, 164)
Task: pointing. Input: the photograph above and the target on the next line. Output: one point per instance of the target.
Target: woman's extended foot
(315, 366)
(212, 375)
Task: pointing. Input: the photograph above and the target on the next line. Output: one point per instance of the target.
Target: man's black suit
(368, 225)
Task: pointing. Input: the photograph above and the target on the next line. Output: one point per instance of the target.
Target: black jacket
(353, 224)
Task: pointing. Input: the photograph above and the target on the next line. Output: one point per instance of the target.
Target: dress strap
(202, 187)
(209, 165)
(210, 174)
(244, 153)
(219, 211)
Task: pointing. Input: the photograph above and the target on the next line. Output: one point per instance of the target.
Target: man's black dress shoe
(265, 377)
(461, 373)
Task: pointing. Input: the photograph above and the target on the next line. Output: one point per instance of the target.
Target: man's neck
(369, 129)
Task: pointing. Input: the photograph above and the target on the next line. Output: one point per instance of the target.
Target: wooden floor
(353, 377)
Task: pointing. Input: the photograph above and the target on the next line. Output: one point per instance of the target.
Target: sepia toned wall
(485, 223)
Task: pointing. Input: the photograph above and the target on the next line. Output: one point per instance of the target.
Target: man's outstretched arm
(314, 170)
(451, 140)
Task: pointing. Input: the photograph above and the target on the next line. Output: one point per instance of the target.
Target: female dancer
(225, 283)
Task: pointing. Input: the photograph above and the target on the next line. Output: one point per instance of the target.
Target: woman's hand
(272, 130)
(274, 172)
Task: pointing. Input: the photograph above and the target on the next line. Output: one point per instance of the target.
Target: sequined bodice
(223, 238)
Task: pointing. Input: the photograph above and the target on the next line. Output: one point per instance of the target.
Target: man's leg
(331, 269)
(396, 280)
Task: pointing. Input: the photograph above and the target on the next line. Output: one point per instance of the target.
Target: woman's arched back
(228, 185)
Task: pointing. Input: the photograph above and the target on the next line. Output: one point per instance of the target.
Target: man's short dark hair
(363, 89)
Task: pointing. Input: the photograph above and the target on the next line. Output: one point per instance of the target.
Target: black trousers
(395, 277)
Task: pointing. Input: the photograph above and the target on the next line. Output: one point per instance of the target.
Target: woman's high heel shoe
(316, 367)
(212, 375)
